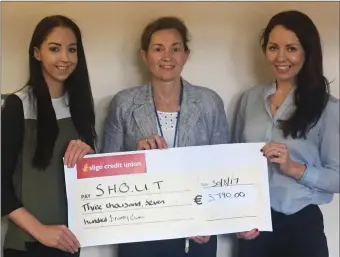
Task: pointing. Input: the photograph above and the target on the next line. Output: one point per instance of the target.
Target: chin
(62, 78)
(167, 78)
(284, 78)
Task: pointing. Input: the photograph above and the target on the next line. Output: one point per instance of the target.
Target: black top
(12, 133)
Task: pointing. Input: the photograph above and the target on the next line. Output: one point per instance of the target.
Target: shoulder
(12, 114)
(126, 97)
(12, 105)
(256, 91)
(19, 101)
(132, 92)
(331, 111)
(203, 95)
(254, 95)
(28, 102)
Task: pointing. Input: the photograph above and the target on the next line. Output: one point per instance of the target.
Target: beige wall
(225, 54)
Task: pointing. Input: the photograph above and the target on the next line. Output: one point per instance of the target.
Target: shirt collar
(271, 89)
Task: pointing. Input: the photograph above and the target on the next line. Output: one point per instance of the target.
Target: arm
(113, 131)
(326, 177)
(12, 135)
(238, 124)
(12, 132)
(220, 129)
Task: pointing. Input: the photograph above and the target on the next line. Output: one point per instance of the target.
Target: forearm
(23, 219)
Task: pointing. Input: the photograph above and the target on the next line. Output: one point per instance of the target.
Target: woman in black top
(50, 118)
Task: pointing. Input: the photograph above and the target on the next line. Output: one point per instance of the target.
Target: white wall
(225, 56)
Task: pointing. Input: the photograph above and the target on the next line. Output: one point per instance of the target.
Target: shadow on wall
(260, 68)
(259, 74)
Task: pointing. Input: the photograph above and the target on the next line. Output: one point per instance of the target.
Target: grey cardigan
(132, 117)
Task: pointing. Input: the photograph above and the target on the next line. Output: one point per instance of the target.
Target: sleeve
(12, 133)
(113, 140)
(238, 124)
(220, 129)
(326, 176)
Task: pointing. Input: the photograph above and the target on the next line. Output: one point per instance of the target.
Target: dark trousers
(38, 250)
(168, 248)
(297, 235)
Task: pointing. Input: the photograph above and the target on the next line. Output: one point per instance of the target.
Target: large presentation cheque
(173, 193)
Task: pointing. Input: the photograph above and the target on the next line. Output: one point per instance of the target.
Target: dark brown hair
(77, 85)
(161, 24)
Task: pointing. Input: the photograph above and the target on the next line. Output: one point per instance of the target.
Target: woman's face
(284, 54)
(58, 55)
(166, 55)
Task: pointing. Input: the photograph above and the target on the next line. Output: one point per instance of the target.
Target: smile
(282, 67)
(167, 67)
(62, 68)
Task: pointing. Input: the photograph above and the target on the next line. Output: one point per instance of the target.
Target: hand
(278, 153)
(200, 239)
(249, 235)
(152, 142)
(58, 237)
(76, 150)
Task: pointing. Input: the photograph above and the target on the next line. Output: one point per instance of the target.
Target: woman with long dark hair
(299, 119)
(50, 118)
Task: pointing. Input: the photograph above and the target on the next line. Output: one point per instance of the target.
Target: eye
(158, 49)
(272, 48)
(54, 49)
(292, 49)
(73, 49)
(176, 49)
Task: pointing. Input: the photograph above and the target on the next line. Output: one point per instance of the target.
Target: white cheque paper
(164, 194)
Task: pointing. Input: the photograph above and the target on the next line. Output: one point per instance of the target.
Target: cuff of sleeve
(310, 176)
(15, 204)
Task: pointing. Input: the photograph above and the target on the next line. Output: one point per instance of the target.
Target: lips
(167, 67)
(282, 67)
(62, 68)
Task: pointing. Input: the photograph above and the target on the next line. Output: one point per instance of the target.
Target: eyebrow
(53, 43)
(158, 44)
(292, 44)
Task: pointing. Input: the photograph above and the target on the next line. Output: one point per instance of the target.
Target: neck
(56, 91)
(55, 88)
(166, 92)
(284, 87)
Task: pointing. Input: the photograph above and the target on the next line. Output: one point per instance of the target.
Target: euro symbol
(198, 199)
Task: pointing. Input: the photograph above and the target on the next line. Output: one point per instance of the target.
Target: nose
(64, 55)
(167, 54)
(281, 55)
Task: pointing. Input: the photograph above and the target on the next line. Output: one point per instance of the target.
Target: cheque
(163, 194)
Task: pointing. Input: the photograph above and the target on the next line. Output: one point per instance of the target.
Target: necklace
(178, 116)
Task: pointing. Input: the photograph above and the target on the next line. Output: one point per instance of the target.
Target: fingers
(274, 150)
(255, 235)
(144, 145)
(71, 238)
(277, 146)
(68, 152)
(277, 155)
(64, 245)
(153, 142)
(80, 153)
(160, 142)
(249, 235)
(76, 150)
(200, 239)
(61, 241)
